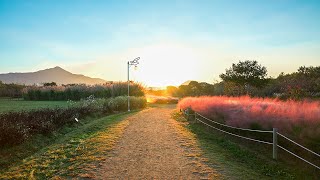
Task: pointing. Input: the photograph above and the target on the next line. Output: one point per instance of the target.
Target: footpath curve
(154, 146)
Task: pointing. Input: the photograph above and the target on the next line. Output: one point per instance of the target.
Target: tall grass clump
(79, 91)
(297, 119)
(11, 90)
(16, 127)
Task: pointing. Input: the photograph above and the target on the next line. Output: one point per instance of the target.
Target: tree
(172, 91)
(301, 84)
(313, 72)
(50, 84)
(246, 73)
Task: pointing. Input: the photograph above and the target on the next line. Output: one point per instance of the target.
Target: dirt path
(153, 146)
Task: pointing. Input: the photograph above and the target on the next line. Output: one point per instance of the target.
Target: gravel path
(152, 147)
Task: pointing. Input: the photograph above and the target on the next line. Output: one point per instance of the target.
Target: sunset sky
(177, 40)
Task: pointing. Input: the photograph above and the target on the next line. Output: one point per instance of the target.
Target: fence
(274, 132)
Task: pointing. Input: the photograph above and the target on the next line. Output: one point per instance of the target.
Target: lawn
(19, 105)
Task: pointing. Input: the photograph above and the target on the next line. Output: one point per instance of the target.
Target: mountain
(56, 74)
(186, 83)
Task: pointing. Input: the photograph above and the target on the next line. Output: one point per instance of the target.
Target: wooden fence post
(275, 144)
(188, 113)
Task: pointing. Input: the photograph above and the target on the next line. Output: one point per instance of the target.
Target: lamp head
(135, 62)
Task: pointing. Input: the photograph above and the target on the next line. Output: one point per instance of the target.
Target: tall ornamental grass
(297, 119)
(79, 91)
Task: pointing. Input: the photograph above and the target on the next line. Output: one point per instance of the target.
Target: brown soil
(154, 146)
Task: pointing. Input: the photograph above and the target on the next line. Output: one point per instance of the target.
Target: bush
(121, 103)
(15, 127)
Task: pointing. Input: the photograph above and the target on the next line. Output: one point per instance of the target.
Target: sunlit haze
(176, 40)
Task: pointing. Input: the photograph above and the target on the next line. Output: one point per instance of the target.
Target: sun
(166, 64)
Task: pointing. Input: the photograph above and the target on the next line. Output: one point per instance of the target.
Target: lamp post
(135, 63)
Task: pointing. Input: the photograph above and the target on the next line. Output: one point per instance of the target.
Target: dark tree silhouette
(50, 84)
(246, 73)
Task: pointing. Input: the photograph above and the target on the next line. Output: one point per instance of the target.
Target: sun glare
(166, 64)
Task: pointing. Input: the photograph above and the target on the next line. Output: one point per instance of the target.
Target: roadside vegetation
(16, 127)
(244, 159)
(298, 120)
(73, 151)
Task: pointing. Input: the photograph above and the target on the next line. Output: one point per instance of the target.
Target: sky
(176, 40)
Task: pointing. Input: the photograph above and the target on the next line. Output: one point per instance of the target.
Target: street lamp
(135, 63)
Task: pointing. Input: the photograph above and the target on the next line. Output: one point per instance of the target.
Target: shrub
(15, 127)
(120, 103)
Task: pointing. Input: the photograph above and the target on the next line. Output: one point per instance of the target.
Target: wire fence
(244, 129)
(274, 132)
(251, 139)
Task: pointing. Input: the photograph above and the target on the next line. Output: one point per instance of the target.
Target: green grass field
(21, 105)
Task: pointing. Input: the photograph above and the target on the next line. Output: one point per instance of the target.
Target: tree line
(51, 91)
(250, 78)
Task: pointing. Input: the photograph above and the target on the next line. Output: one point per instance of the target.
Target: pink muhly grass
(301, 118)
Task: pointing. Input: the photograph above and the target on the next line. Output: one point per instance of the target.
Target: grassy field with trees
(34, 117)
(30, 111)
(16, 127)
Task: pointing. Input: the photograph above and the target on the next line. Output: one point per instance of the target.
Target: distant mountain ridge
(56, 74)
(186, 83)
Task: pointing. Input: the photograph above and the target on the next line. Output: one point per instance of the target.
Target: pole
(128, 88)
(275, 144)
